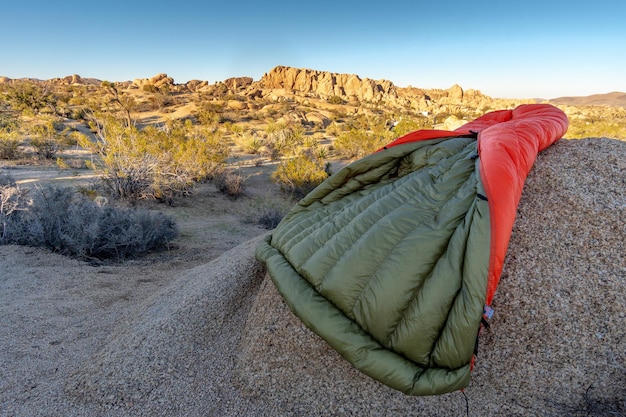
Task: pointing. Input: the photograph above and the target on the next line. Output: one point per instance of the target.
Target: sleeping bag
(393, 259)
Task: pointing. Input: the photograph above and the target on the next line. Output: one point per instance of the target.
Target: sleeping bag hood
(394, 259)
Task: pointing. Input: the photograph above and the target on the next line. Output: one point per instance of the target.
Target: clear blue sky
(518, 49)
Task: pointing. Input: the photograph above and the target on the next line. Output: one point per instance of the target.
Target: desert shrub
(358, 143)
(334, 129)
(335, 100)
(149, 88)
(321, 153)
(9, 146)
(407, 125)
(9, 136)
(210, 113)
(77, 113)
(11, 200)
(234, 128)
(299, 175)
(611, 128)
(159, 101)
(69, 223)
(250, 143)
(118, 101)
(29, 97)
(311, 141)
(267, 213)
(45, 147)
(230, 183)
(8, 122)
(129, 178)
(46, 139)
(284, 140)
(160, 163)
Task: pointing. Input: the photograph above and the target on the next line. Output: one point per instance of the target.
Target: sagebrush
(69, 223)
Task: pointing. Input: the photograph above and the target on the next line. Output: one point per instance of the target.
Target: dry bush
(11, 200)
(155, 162)
(69, 223)
(230, 183)
(267, 213)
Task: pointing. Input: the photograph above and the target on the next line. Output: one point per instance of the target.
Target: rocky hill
(307, 83)
(350, 88)
(308, 95)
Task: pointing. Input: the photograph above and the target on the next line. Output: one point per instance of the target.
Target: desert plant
(9, 136)
(408, 125)
(588, 126)
(69, 223)
(8, 122)
(9, 145)
(267, 213)
(299, 175)
(11, 200)
(209, 113)
(250, 143)
(230, 183)
(310, 141)
(334, 129)
(46, 140)
(29, 97)
(284, 140)
(154, 162)
(335, 100)
(120, 101)
(357, 143)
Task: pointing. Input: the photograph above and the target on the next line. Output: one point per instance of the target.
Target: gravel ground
(217, 340)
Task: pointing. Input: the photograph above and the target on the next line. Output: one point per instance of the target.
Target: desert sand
(199, 334)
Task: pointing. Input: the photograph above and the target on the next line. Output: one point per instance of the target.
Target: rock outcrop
(238, 83)
(158, 80)
(327, 84)
(352, 89)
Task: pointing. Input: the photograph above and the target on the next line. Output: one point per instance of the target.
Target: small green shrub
(300, 175)
(162, 163)
(284, 140)
(9, 146)
(9, 122)
(29, 97)
(334, 129)
(250, 143)
(358, 143)
(406, 125)
(46, 139)
(310, 141)
(335, 100)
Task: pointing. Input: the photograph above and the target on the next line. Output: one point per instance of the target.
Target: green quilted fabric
(387, 261)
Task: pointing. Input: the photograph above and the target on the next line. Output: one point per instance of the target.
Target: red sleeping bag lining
(508, 144)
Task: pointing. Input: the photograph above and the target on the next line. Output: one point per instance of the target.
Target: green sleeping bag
(387, 261)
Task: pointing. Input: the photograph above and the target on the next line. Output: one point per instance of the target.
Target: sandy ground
(203, 332)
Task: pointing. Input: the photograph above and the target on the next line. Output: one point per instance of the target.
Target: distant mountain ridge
(613, 99)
